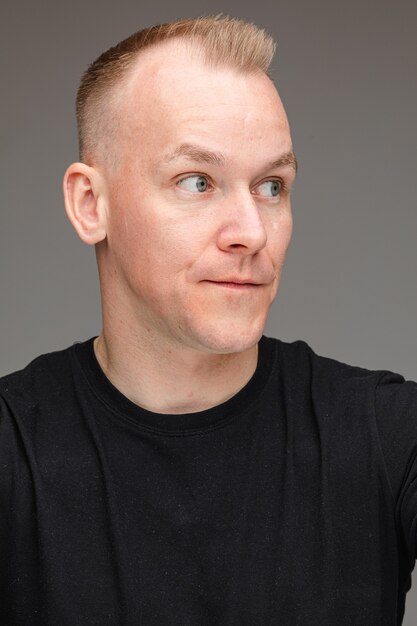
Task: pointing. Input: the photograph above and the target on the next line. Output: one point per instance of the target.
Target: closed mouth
(234, 283)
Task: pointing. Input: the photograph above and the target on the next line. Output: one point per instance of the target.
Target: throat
(176, 385)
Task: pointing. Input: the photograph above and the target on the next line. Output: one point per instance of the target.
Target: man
(182, 468)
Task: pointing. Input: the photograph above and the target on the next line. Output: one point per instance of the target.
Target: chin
(228, 339)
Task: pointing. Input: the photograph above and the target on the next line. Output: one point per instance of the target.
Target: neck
(173, 381)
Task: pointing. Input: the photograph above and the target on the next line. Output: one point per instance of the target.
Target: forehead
(172, 96)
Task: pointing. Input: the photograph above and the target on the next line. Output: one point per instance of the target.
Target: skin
(187, 212)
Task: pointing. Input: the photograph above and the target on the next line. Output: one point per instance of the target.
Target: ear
(85, 202)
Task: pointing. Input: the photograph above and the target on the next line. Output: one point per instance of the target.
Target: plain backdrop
(347, 73)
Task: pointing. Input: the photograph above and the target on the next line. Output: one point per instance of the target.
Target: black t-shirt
(292, 503)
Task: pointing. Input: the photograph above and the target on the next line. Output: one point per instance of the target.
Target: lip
(234, 284)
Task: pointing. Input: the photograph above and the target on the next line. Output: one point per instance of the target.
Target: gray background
(347, 74)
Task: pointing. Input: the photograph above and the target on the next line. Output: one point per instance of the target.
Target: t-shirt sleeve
(396, 416)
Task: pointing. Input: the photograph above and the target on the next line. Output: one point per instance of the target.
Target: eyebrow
(288, 158)
(195, 153)
(201, 155)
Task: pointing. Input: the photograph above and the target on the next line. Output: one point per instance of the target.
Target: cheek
(151, 245)
(125, 236)
(281, 232)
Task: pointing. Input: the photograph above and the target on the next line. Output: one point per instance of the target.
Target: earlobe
(85, 202)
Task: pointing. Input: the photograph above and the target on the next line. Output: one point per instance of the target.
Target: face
(199, 217)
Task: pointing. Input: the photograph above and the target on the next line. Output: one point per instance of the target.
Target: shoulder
(36, 403)
(371, 409)
(40, 374)
(40, 384)
(298, 363)
(332, 387)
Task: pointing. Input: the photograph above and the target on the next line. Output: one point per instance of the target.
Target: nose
(242, 230)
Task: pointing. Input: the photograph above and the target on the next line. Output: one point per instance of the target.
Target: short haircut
(223, 41)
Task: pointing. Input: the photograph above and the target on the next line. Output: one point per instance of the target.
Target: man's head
(221, 42)
(194, 198)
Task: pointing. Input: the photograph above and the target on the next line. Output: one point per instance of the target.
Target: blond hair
(222, 41)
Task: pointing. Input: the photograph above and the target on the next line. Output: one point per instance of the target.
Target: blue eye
(269, 189)
(194, 183)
